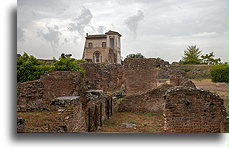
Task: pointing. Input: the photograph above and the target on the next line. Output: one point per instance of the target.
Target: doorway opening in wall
(97, 57)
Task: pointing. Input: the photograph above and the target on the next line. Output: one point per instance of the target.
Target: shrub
(219, 73)
(29, 68)
(68, 64)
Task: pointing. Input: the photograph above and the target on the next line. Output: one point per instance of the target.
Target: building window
(112, 43)
(104, 44)
(90, 45)
(97, 57)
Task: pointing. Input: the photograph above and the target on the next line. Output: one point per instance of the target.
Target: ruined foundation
(189, 110)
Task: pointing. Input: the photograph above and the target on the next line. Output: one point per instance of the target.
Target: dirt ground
(139, 123)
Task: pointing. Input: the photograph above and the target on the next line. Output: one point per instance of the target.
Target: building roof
(110, 32)
(96, 36)
(103, 35)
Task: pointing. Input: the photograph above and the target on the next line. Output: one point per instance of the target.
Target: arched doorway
(97, 57)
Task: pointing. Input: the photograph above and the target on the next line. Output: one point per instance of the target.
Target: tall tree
(191, 55)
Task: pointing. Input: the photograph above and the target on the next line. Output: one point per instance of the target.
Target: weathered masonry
(140, 75)
(68, 101)
(190, 110)
(103, 48)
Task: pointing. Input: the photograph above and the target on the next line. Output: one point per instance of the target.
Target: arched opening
(97, 57)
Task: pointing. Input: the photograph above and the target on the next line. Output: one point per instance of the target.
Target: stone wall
(29, 95)
(107, 77)
(71, 117)
(139, 75)
(94, 106)
(150, 102)
(194, 71)
(69, 114)
(190, 110)
(61, 83)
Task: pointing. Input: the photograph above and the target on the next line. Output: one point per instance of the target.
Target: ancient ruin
(190, 110)
(68, 101)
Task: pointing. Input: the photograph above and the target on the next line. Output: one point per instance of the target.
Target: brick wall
(150, 102)
(71, 116)
(61, 83)
(139, 75)
(190, 110)
(107, 77)
(29, 95)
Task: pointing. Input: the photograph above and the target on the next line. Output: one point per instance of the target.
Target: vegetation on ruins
(136, 56)
(219, 73)
(68, 64)
(29, 68)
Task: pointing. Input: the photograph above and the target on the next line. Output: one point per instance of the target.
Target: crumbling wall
(194, 71)
(29, 95)
(94, 106)
(190, 110)
(139, 75)
(71, 117)
(61, 83)
(188, 83)
(144, 103)
(107, 77)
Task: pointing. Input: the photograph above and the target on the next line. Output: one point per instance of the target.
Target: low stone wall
(190, 110)
(147, 102)
(94, 106)
(140, 75)
(71, 117)
(69, 114)
(31, 95)
(195, 71)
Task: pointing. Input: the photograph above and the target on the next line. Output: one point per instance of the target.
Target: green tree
(209, 59)
(68, 64)
(137, 56)
(29, 68)
(191, 55)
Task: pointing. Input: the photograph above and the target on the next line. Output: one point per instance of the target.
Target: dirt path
(133, 123)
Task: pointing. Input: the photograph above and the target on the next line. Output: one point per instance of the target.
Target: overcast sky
(155, 28)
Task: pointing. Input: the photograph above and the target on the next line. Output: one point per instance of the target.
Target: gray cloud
(133, 21)
(20, 34)
(52, 36)
(101, 29)
(80, 22)
(168, 27)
